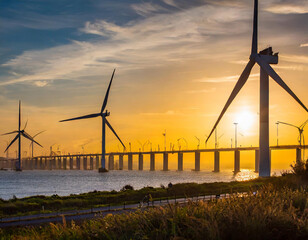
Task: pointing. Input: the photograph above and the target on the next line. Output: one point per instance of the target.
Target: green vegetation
(36, 204)
(274, 213)
(279, 210)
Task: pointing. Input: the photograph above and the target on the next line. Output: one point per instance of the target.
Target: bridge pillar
(41, 163)
(24, 164)
(197, 161)
(54, 166)
(64, 167)
(152, 162)
(91, 163)
(46, 163)
(180, 161)
(140, 161)
(59, 163)
(111, 162)
(97, 162)
(165, 163)
(71, 163)
(121, 162)
(85, 162)
(130, 161)
(257, 160)
(49, 163)
(31, 163)
(216, 161)
(78, 162)
(237, 161)
(298, 155)
(36, 163)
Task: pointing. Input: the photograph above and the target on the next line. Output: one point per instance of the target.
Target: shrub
(127, 187)
(300, 169)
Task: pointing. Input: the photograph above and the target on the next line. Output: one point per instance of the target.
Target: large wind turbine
(263, 59)
(18, 136)
(103, 115)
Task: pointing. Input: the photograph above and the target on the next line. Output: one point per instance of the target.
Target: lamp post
(277, 124)
(235, 139)
(164, 134)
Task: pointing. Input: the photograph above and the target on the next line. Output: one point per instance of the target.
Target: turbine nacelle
(266, 55)
(106, 114)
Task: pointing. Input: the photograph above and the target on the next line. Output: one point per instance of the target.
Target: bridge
(93, 161)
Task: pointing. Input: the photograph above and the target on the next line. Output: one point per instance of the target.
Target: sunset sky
(176, 65)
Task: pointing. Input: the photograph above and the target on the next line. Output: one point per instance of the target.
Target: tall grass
(274, 213)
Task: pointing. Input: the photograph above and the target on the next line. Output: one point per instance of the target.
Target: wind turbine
(263, 59)
(300, 129)
(31, 144)
(198, 139)
(18, 136)
(105, 122)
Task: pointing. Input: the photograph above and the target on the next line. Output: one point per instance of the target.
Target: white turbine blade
(108, 124)
(26, 135)
(9, 133)
(288, 124)
(26, 124)
(304, 124)
(240, 83)
(107, 93)
(82, 117)
(12, 142)
(38, 133)
(19, 116)
(271, 72)
(254, 47)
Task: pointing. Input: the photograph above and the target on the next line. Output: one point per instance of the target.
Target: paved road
(96, 212)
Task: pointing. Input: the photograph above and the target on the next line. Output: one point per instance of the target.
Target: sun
(245, 120)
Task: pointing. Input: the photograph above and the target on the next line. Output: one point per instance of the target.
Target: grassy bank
(276, 212)
(36, 204)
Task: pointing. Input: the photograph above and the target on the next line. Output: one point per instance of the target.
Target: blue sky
(173, 60)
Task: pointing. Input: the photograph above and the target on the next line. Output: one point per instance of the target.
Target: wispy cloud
(146, 9)
(206, 90)
(168, 113)
(150, 42)
(304, 45)
(286, 6)
(295, 58)
(226, 79)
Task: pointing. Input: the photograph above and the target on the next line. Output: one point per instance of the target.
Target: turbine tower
(18, 136)
(264, 58)
(105, 122)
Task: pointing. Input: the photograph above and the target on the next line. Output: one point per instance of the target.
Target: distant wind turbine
(263, 59)
(31, 144)
(103, 115)
(18, 136)
(301, 137)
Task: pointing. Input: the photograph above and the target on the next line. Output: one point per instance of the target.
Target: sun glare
(245, 120)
